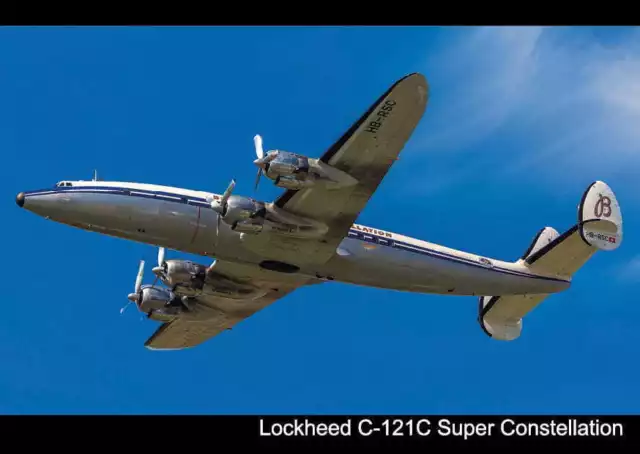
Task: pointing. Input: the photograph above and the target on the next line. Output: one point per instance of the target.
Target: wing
(217, 314)
(366, 151)
(180, 334)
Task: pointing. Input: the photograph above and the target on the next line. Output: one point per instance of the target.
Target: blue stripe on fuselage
(367, 237)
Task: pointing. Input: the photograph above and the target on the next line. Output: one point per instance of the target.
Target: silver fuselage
(183, 220)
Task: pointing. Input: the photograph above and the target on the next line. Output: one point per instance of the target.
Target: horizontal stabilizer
(543, 238)
(501, 316)
(599, 227)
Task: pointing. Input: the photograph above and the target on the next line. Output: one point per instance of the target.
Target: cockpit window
(62, 183)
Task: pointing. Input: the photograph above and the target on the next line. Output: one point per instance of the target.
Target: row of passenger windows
(370, 238)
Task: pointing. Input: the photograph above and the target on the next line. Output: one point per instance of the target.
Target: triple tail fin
(599, 227)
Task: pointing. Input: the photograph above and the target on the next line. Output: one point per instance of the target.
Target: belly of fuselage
(421, 270)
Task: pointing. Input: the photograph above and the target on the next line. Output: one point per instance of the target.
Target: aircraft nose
(20, 199)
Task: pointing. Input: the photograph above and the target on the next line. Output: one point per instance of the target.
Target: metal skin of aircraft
(264, 250)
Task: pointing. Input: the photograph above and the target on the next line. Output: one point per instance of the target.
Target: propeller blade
(227, 193)
(139, 277)
(160, 256)
(257, 140)
(258, 179)
(220, 205)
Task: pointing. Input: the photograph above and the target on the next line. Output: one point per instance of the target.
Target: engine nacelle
(294, 171)
(291, 182)
(286, 163)
(271, 219)
(185, 273)
(190, 279)
(278, 226)
(253, 228)
(154, 298)
(240, 209)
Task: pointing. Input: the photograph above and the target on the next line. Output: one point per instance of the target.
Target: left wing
(220, 314)
(366, 152)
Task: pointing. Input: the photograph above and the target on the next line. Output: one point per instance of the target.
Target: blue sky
(519, 123)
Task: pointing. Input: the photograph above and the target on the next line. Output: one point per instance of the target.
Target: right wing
(219, 314)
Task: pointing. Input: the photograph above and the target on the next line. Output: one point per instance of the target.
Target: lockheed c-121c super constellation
(308, 235)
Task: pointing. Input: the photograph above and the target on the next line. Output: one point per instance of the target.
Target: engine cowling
(154, 298)
(293, 171)
(239, 209)
(184, 272)
(286, 163)
(189, 279)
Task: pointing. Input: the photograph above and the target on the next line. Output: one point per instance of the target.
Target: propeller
(161, 268)
(162, 265)
(257, 140)
(220, 206)
(137, 294)
(263, 159)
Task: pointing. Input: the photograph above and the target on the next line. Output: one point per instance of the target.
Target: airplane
(263, 251)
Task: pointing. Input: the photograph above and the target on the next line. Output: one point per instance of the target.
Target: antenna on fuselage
(95, 176)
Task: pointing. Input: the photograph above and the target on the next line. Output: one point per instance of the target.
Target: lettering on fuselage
(374, 231)
(383, 113)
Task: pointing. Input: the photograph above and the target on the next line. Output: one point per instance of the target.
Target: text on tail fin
(600, 217)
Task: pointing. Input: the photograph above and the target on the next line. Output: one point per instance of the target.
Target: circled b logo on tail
(602, 207)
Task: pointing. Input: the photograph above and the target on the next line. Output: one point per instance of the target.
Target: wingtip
(413, 75)
(148, 346)
(418, 77)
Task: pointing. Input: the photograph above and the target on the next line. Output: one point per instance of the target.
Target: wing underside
(219, 314)
(366, 152)
(179, 334)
